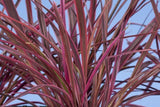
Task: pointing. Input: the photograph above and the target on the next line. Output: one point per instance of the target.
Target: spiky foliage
(73, 53)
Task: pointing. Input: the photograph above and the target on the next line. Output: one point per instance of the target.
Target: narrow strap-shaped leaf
(29, 11)
(138, 40)
(11, 10)
(143, 55)
(92, 12)
(42, 23)
(72, 23)
(83, 33)
(65, 46)
(155, 11)
(35, 31)
(132, 83)
(57, 89)
(99, 63)
(63, 11)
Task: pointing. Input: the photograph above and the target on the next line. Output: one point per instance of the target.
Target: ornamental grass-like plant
(79, 53)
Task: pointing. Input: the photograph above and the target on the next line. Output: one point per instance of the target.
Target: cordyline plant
(71, 55)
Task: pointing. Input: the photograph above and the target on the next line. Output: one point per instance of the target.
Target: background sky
(152, 101)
